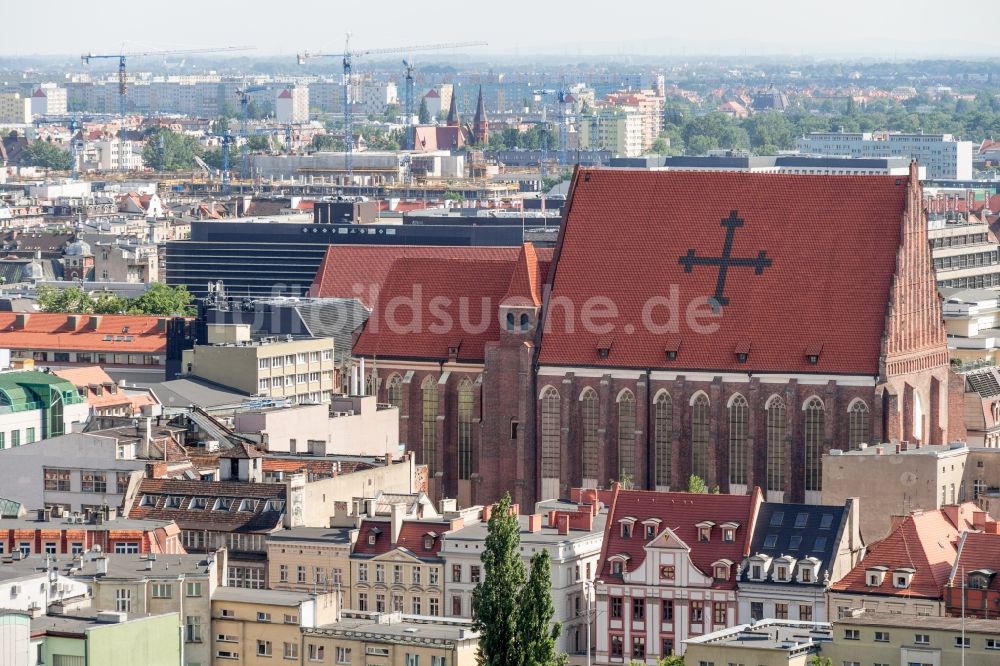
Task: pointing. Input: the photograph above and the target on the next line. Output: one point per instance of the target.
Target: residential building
(668, 570)
(905, 572)
(115, 342)
(901, 477)
(37, 405)
(796, 553)
(965, 252)
(649, 105)
(15, 638)
(32, 583)
(972, 317)
(258, 627)
(118, 154)
(43, 532)
(944, 156)
(106, 639)
(396, 564)
(181, 585)
(349, 425)
(878, 638)
(48, 99)
(571, 533)
(392, 639)
(15, 109)
(619, 130)
(298, 370)
(126, 262)
(982, 411)
(764, 643)
(972, 588)
(308, 559)
(292, 105)
(104, 395)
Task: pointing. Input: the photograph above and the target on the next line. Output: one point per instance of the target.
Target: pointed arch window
(394, 391)
(700, 408)
(589, 406)
(815, 427)
(776, 443)
(626, 436)
(858, 427)
(429, 395)
(465, 400)
(663, 416)
(550, 433)
(738, 415)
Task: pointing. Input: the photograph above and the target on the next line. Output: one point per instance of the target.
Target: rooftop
(770, 634)
(261, 597)
(119, 566)
(396, 626)
(327, 535)
(972, 625)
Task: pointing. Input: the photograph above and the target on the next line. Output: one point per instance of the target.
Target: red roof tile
(411, 537)
(924, 541)
(681, 512)
(831, 243)
(53, 331)
(979, 550)
(359, 271)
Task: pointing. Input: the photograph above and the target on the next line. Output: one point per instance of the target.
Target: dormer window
(373, 535)
(199, 502)
(742, 352)
(805, 575)
(173, 502)
(148, 500)
(429, 539)
(782, 573)
(650, 531)
(672, 348)
(756, 572)
(721, 569)
(652, 526)
(729, 532)
(980, 579)
(618, 563)
(705, 531)
(813, 352)
(248, 505)
(223, 504)
(616, 567)
(875, 575)
(627, 527)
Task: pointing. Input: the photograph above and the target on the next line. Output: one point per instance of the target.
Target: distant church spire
(480, 123)
(453, 119)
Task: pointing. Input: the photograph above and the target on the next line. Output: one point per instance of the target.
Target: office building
(944, 156)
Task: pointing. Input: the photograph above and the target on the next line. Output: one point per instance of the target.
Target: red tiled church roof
(681, 513)
(827, 249)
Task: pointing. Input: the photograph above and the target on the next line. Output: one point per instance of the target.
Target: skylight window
(777, 518)
(801, 519)
(770, 541)
(820, 544)
(826, 521)
(795, 541)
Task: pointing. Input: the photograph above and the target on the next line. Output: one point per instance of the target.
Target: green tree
(672, 660)
(166, 150)
(327, 142)
(496, 600)
(696, 484)
(259, 143)
(73, 300)
(424, 114)
(46, 155)
(534, 625)
(817, 660)
(161, 299)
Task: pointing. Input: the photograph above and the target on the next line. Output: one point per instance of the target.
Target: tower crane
(540, 96)
(347, 57)
(244, 95)
(123, 73)
(408, 106)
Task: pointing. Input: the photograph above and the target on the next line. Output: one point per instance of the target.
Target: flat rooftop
(77, 624)
(396, 626)
(30, 522)
(973, 625)
(327, 535)
(272, 597)
(889, 449)
(119, 566)
(770, 635)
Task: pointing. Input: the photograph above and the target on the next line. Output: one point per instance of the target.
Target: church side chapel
(734, 326)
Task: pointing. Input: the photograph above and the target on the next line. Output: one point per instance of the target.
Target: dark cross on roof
(759, 263)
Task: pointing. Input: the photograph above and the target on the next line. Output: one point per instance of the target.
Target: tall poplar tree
(535, 625)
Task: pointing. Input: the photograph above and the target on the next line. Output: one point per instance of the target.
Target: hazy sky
(841, 28)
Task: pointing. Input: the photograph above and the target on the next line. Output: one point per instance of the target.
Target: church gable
(734, 271)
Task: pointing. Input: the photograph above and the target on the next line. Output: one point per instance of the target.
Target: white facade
(15, 109)
(36, 590)
(292, 105)
(74, 471)
(943, 155)
(48, 99)
(119, 155)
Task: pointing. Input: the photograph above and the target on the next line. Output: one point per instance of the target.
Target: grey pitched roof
(799, 531)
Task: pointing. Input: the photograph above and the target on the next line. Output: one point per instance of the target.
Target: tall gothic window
(550, 433)
(700, 416)
(626, 436)
(465, 428)
(776, 444)
(662, 432)
(857, 430)
(738, 412)
(815, 422)
(394, 391)
(429, 391)
(589, 405)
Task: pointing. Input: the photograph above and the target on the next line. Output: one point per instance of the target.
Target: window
(617, 646)
(434, 605)
(626, 436)
(852, 634)
(429, 423)
(700, 415)
(121, 482)
(290, 650)
(627, 529)
(776, 446)
(290, 618)
(638, 610)
(123, 600)
(756, 610)
(415, 576)
(881, 636)
(805, 575)
(668, 572)
(719, 613)
(922, 639)
(439, 661)
(663, 436)
(126, 547)
(394, 391)
(782, 573)
(161, 590)
(263, 648)
(805, 612)
(456, 606)
(362, 601)
(589, 409)
(412, 659)
(616, 607)
(963, 643)
(363, 573)
(704, 534)
(15, 438)
(781, 611)
(379, 602)
(29, 435)
(192, 629)
(814, 436)
(192, 589)
(697, 610)
(474, 573)
(738, 412)
(721, 572)
(456, 573)
(992, 644)
(433, 575)
(300, 574)
(551, 438)
(465, 403)
(93, 482)
(416, 605)
(667, 608)
(638, 647)
(57, 479)
(263, 617)
(317, 653)
(857, 431)
(283, 573)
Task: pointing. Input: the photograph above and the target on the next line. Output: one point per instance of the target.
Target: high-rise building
(48, 99)
(292, 105)
(944, 156)
(15, 109)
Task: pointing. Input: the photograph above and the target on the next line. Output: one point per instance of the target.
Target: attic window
(782, 573)
(429, 540)
(199, 502)
(616, 567)
(770, 541)
(875, 575)
(173, 502)
(248, 505)
(813, 352)
(729, 535)
(453, 348)
(148, 500)
(223, 504)
(704, 533)
(672, 348)
(274, 505)
(626, 530)
(721, 572)
(742, 352)
(604, 347)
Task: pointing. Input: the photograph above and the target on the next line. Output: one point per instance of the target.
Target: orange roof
(53, 331)
(80, 377)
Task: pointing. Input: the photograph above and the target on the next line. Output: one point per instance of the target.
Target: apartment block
(944, 156)
(292, 105)
(15, 109)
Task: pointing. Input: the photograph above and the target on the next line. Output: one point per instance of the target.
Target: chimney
(534, 522)
(978, 520)
(552, 517)
(396, 512)
(21, 320)
(102, 565)
(879, 450)
(563, 523)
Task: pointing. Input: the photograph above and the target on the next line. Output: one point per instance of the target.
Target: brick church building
(735, 326)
